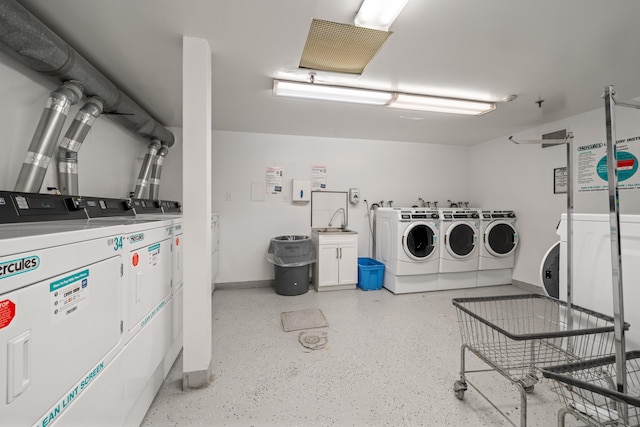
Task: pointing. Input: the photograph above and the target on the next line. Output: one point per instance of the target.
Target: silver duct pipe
(28, 40)
(156, 172)
(46, 137)
(70, 145)
(145, 170)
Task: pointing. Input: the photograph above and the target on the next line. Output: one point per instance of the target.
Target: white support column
(196, 166)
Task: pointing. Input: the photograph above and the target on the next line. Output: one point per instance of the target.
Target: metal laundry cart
(517, 335)
(605, 391)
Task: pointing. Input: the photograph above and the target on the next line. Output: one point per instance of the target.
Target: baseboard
(245, 285)
(528, 287)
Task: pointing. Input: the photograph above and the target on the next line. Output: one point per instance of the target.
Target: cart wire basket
(588, 391)
(516, 335)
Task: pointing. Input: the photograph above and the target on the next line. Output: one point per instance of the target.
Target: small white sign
(274, 180)
(318, 178)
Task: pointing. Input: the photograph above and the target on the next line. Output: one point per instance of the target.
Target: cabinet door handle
(340, 253)
(337, 253)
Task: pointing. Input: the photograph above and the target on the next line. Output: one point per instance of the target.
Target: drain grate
(313, 340)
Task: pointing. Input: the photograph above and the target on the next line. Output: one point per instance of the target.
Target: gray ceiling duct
(70, 145)
(156, 173)
(28, 40)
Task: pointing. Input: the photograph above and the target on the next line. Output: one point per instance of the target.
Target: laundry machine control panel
(489, 215)
(413, 214)
(455, 215)
(31, 207)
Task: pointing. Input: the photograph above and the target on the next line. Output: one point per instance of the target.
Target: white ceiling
(561, 51)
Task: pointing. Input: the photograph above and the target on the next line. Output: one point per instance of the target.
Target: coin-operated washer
(61, 306)
(458, 248)
(499, 240)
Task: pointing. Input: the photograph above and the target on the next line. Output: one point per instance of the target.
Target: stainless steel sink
(332, 230)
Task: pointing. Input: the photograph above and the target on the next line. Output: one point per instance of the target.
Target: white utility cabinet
(337, 264)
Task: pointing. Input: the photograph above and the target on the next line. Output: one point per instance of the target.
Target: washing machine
(459, 250)
(407, 243)
(61, 307)
(591, 268)
(499, 240)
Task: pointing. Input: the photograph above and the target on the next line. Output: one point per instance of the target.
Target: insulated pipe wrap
(46, 137)
(70, 145)
(28, 40)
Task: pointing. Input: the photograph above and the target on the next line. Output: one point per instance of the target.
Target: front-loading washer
(407, 243)
(499, 240)
(460, 230)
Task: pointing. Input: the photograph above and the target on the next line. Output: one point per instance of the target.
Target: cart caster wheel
(529, 389)
(459, 388)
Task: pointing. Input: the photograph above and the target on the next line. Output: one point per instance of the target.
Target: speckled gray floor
(390, 360)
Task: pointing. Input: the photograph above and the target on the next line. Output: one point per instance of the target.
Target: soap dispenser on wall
(354, 196)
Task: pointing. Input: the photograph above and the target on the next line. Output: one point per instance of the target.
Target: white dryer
(458, 248)
(61, 308)
(407, 243)
(499, 240)
(134, 376)
(591, 267)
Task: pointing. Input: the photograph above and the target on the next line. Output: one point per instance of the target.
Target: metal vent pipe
(28, 40)
(156, 173)
(70, 145)
(46, 137)
(145, 170)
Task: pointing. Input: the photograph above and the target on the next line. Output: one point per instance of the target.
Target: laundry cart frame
(582, 387)
(587, 389)
(516, 335)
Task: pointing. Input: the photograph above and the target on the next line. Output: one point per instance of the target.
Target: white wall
(520, 177)
(109, 160)
(396, 171)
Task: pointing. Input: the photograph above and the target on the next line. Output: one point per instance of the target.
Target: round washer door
(500, 239)
(419, 240)
(460, 239)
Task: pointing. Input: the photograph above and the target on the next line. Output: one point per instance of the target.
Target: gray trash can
(291, 257)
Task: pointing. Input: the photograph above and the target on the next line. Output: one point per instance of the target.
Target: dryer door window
(461, 240)
(419, 241)
(500, 239)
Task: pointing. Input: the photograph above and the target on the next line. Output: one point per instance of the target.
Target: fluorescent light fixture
(330, 93)
(380, 97)
(441, 105)
(379, 14)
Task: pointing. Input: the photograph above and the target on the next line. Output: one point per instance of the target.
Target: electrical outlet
(285, 197)
(229, 197)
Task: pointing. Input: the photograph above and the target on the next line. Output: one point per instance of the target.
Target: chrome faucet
(344, 218)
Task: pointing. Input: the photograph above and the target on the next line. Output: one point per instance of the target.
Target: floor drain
(313, 340)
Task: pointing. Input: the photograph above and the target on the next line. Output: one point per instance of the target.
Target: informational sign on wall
(274, 180)
(592, 165)
(318, 178)
(559, 180)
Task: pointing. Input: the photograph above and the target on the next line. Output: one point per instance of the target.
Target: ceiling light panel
(330, 93)
(442, 105)
(379, 14)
